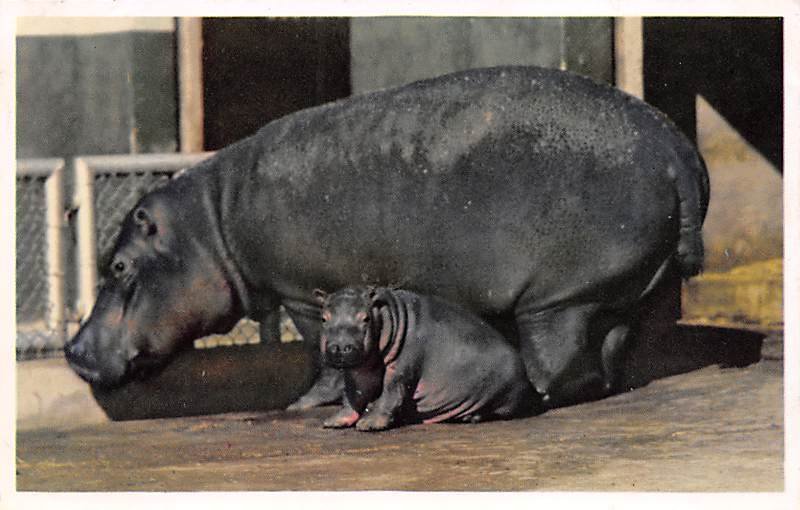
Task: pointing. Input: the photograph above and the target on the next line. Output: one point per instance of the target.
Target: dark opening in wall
(736, 64)
(257, 70)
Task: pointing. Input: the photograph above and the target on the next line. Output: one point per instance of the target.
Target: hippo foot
(374, 422)
(346, 417)
(327, 390)
(314, 399)
(472, 418)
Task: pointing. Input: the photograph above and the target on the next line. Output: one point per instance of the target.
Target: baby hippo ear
(143, 220)
(319, 296)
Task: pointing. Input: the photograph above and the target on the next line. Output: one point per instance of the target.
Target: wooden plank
(629, 55)
(190, 83)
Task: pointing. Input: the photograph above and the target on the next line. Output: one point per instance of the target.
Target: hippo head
(165, 284)
(347, 338)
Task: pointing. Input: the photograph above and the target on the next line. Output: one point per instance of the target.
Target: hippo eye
(118, 267)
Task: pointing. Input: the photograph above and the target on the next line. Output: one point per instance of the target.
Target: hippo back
(478, 186)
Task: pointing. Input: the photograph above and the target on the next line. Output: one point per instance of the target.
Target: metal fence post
(54, 197)
(40, 256)
(628, 58)
(87, 242)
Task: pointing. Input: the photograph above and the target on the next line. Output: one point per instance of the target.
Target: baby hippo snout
(343, 351)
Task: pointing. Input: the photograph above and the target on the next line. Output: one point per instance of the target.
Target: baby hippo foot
(472, 418)
(345, 417)
(328, 389)
(373, 422)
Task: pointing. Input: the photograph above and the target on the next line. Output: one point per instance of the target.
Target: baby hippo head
(346, 340)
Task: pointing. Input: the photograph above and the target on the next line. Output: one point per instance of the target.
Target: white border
(790, 9)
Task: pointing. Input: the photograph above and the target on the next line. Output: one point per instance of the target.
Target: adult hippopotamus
(415, 358)
(516, 192)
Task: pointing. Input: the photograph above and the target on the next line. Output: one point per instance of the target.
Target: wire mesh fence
(116, 184)
(31, 249)
(114, 195)
(39, 265)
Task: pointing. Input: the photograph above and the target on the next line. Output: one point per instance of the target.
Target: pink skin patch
(350, 419)
(421, 390)
(458, 411)
(343, 420)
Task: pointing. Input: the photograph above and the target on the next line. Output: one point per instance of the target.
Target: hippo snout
(344, 354)
(94, 360)
(80, 359)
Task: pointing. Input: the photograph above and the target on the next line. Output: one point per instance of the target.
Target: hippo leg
(269, 327)
(329, 384)
(361, 386)
(611, 354)
(383, 413)
(558, 358)
(345, 417)
(472, 418)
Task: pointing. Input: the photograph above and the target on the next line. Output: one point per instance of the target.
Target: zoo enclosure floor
(713, 429)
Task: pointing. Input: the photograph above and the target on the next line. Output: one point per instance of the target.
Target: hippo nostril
(75, 352)
(333, 349)
(72, 350)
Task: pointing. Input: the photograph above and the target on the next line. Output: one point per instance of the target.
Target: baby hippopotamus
(408, 358)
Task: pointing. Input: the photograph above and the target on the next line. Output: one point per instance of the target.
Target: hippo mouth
(87, 374)
(145, 365)
(344, 361)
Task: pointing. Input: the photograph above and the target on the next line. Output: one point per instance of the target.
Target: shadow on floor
(686, 348)
(255, 377)
(211, 381)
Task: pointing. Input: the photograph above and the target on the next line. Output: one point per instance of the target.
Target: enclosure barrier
(106, 188)
(40, 275)
(51, 299)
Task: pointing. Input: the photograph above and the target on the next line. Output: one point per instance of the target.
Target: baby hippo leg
(387, 410)
(345, 417)
(361, 385)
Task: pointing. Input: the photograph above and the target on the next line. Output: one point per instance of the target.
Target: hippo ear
(145, 223)
(319, 296)
(371, 292)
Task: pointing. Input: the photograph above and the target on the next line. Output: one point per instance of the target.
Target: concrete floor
(711, 429)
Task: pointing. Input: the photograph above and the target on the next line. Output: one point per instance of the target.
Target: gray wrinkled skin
(521, 194)
(408, 358)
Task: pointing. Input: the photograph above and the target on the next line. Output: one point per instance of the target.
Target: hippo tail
(690, 177)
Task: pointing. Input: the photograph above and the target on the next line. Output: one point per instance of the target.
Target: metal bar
(54, 197)
(38, 167)
(629, 55)
(132, 163)
(190, 83)
(87, 237)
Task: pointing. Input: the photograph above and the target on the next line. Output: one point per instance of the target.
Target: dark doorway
(736, 64)
(256, 70)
